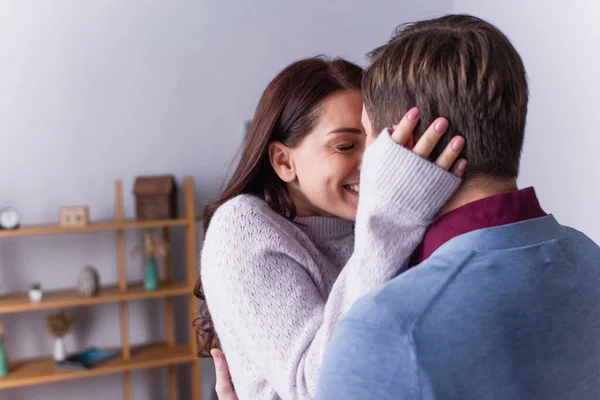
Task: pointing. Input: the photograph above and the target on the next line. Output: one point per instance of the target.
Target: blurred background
(95, 90)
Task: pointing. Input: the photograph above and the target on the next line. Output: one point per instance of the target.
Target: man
(502, 302)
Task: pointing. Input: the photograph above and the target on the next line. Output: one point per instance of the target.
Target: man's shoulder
(399, 303)
(580, 238)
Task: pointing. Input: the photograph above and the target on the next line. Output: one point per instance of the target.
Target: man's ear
(281, 161)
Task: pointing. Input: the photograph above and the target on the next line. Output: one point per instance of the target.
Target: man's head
(461, 68)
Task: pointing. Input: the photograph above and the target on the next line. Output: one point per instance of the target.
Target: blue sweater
(510, 312)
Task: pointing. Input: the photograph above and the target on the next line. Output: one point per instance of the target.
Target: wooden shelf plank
(20, 302)
(138, 224)
(108, 225)
(42, 370)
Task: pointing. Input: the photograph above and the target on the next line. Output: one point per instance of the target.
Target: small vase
(150, 276)
(60, 351)
(35, 295)
(88, 282)
(3, 359)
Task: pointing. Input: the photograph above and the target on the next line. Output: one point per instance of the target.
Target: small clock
(9, 218)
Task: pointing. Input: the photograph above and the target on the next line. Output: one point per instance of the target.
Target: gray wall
(559, 45)
(96, 90)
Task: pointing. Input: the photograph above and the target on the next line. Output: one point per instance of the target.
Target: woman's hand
(223, 386)
(403, 135)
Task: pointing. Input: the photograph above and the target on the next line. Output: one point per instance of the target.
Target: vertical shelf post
(122, 284)
(191, 260)
(169, 316)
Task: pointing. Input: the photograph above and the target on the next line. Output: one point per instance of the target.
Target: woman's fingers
(448, 159)
(403, 132)
(459, 168)
(450, 153)
(223, 386)
(431, 137)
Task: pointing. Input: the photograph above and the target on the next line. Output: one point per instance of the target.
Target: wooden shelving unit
(167, 354)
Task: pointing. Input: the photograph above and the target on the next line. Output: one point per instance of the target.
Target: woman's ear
(281, 161)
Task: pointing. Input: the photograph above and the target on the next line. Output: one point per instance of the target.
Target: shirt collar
(502, 209)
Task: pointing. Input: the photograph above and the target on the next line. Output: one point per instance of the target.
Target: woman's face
(327, 161)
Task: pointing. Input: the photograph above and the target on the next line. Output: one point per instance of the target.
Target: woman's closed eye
(344, 148)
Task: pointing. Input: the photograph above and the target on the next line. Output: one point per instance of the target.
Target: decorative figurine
(35, 293)
(88, 282)
(58, 325)
(152, 248)
(74, 216)
(3, 356)
(155, 197)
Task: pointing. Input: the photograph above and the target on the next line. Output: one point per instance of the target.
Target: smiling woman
(322, 172)
(291, 107)
(280, 265)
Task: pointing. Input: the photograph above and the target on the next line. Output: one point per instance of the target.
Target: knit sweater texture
(276, 288)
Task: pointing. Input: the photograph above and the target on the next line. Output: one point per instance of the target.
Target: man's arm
(367, 359)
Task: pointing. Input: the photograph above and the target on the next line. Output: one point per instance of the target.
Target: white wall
(99, 89)
(559, 43)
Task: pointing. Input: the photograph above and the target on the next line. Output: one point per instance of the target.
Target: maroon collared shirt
(502, 209)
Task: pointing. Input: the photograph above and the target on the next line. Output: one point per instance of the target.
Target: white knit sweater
(276, 289)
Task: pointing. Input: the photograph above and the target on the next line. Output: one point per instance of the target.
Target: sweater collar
(325, 226)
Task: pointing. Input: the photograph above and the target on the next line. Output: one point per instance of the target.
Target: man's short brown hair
(461, 68)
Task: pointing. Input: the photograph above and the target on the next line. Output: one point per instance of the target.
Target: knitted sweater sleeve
(264, 297)
(400, 194)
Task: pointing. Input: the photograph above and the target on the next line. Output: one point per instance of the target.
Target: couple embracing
(372, 242)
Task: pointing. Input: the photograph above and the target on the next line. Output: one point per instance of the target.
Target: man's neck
(478, 188)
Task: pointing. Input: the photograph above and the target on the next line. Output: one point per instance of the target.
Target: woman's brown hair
(287, 111)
